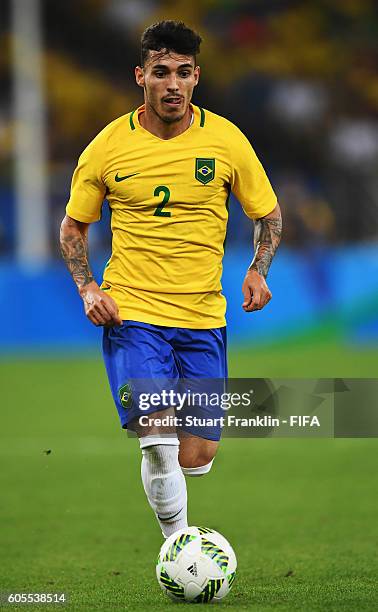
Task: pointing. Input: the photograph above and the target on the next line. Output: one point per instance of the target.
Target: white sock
(197, 471)
(165, 486)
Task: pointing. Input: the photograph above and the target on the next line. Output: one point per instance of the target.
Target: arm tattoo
(266, 240)
(74, 249)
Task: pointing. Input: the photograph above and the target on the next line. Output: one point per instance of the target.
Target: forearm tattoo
(266, 240)
(74, 249)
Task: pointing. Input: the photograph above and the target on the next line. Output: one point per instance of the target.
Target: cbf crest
(205, 169)
(125, 395)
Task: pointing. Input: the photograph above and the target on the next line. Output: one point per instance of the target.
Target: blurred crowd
(298, 77)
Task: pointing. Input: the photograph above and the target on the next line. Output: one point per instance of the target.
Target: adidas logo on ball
(193, 569)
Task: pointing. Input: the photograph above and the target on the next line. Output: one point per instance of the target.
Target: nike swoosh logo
(168, 518)
(118, 179)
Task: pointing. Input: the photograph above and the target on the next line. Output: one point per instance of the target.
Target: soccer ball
(196, 564)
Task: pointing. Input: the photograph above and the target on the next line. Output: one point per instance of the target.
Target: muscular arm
(266, 240)
(267, 237)
(74, 249)
(100, 308)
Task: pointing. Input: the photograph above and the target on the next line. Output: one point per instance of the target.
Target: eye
(159, 74)
(184, 74)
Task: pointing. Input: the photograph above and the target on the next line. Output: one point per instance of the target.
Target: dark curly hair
(172, 36)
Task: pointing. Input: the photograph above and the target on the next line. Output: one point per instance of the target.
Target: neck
(150, 121)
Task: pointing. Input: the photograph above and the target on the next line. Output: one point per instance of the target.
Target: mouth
(172, 101)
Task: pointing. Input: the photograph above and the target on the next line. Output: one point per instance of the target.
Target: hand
(256, 291)
(99, 307)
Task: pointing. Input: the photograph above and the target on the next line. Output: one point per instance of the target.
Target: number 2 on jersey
(159, 212)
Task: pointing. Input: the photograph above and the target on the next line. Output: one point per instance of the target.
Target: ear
(197, 72)
(139, 76)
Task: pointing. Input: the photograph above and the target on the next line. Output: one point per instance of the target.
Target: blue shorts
(137, 351)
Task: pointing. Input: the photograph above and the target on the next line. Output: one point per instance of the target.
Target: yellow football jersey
(168, 200)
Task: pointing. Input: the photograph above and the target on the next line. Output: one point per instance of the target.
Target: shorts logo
(124, 394)
(205, 169)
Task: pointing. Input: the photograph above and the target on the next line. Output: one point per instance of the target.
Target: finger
(109, 305)
(255, 302)
(112, 309)
(94, 318)
(114, 321)
(95, 311)
(267, 299)
(266, 296)
(102, 312)
(99, 314)
(247, 296)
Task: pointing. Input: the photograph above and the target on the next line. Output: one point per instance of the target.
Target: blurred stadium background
(298, 78)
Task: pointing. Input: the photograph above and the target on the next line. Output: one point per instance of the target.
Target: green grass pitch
(301, 514)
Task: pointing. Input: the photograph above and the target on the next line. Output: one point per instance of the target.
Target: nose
(172, 83)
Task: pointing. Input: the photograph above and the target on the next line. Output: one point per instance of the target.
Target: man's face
(168, 80)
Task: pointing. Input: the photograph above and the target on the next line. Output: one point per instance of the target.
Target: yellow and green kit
(169, 205)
